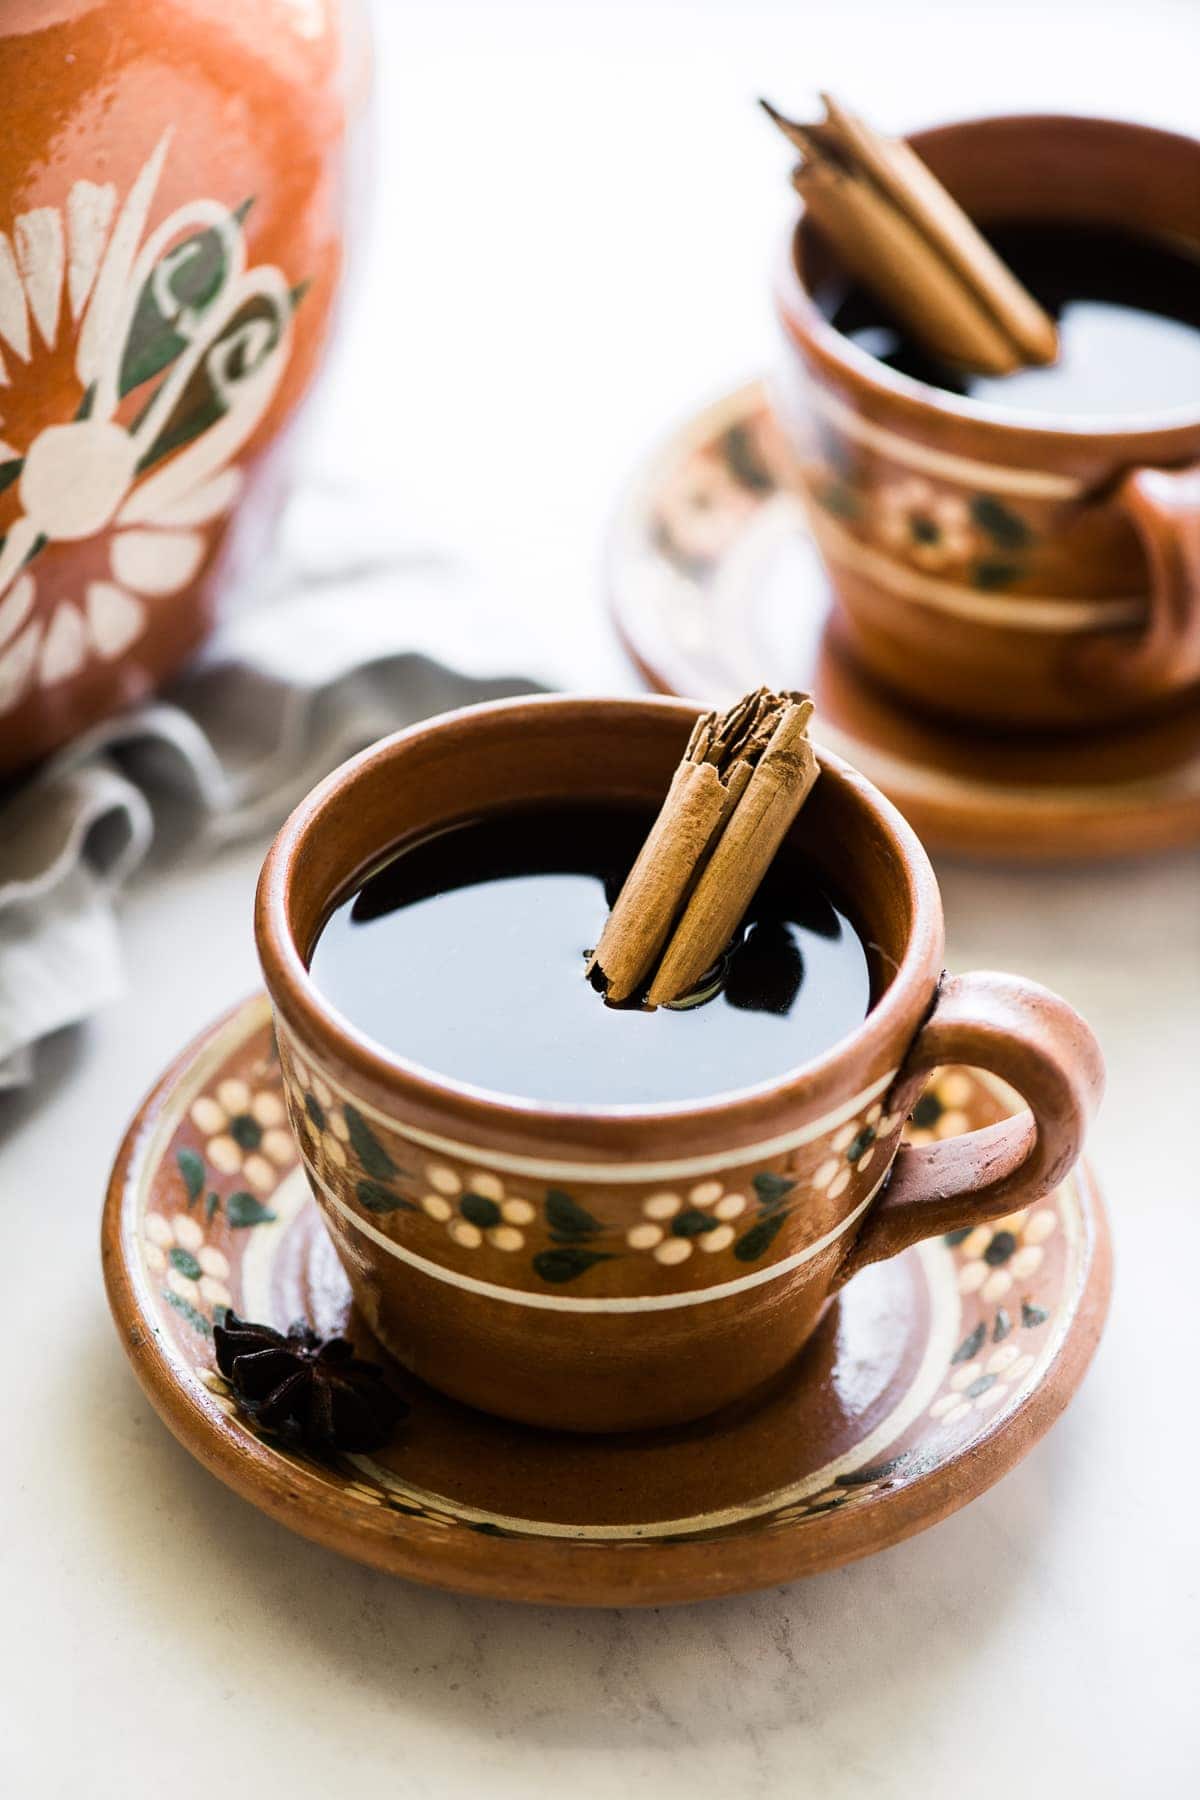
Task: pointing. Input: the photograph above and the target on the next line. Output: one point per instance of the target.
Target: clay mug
(1002, 567)
(173, 184)
(604, 1270)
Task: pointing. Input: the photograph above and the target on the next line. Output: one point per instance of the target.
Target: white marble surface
(578, 204)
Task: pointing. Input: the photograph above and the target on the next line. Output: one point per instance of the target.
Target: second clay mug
(1013, 569)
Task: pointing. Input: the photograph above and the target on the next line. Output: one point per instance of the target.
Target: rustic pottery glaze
(596, 1270)
(715, 586)
(927, 1378)
(990, 567)
(172, 184)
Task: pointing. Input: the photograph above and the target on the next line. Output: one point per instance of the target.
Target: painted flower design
(994, 1257)
(981, 1383)
(705, 503)
(674, 1224)
(852, 1150)
(134, 366)
(246, 1132)
(700, 510)
(318, 1119)
(194, 1271)
(854, 1485)
(993, 1264)
(476, 1209)
(926, 527)
(563, 1236)
(939, 1113)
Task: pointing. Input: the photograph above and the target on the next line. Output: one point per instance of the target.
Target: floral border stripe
(1014, 612)
(547, 1168)
(613, 1303)
(999, 477)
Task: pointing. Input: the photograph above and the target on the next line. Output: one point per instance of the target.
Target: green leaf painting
(567, 1263)
(771, 1189)
(379, 1199)
(991, 573)
(243, 1209)
(187, 278)
(239, 350)
(568, 1221)
(191, 1167)
(745, 462)
(758, 1240)
(367, 1147)
(1005, 528)
(869, 1473)
(194, 1317)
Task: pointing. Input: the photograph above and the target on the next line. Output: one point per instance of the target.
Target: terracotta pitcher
(172, 184)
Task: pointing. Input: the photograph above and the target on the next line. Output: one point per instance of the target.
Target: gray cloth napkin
(355, 633)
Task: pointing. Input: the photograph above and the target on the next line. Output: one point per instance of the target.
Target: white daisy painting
(135, 365)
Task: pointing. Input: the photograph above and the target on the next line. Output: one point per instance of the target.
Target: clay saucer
(928, 1379)
(715, 586)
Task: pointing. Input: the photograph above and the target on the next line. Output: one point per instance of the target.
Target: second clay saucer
(716, 586)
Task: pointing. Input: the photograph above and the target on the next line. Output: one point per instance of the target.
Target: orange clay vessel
(172, 188)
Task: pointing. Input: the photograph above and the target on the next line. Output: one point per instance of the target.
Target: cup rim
(896, 1014)
(803, 318)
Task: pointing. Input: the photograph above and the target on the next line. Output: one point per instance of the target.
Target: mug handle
(1037, 1044)
(1163, 505)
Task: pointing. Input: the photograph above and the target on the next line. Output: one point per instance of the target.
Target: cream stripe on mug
(606, 1303)
(1011, 612)
(997, 478)
(608, 1174)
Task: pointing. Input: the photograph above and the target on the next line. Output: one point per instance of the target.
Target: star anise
(315, 1388)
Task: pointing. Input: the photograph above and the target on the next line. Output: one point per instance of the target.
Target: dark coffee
(1128, 314)
(466, 954)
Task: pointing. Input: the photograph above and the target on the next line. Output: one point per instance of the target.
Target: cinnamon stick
(778, 788)
(897, 229)
(743, 778)
(708, 783)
